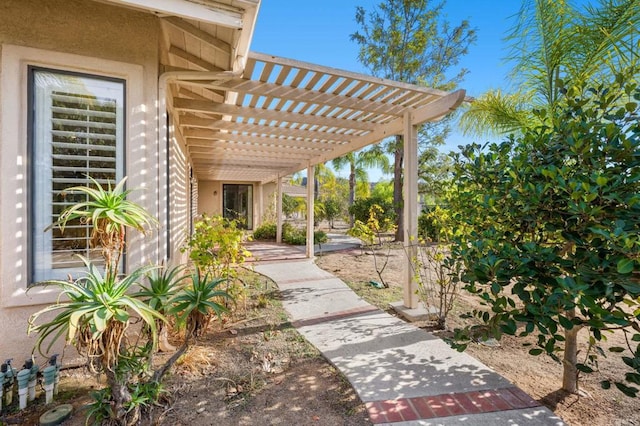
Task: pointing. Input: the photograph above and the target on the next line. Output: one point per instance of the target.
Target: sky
(318, 32)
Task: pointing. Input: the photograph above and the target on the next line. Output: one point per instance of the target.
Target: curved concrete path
(403, 374)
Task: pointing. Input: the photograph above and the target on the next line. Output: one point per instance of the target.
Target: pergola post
(311, 184)
(258, 218)
(410, 195)
(279, 210)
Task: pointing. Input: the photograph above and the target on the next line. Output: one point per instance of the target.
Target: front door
(237, 204)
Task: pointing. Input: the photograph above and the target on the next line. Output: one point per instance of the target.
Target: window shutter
(78, 129)
(83, 143)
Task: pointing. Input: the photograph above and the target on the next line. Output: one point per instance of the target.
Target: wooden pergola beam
(234, 111)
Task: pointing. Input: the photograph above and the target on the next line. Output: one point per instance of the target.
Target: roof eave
(198, 11)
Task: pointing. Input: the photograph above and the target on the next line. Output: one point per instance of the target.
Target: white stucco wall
(83, 36)
(268, 202)
(210, 197)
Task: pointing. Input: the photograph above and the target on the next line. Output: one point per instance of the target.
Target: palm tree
(553, 41)
(358, 163)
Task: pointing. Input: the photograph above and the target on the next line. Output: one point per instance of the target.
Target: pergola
(247, 116)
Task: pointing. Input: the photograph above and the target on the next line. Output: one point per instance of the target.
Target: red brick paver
(454, 404)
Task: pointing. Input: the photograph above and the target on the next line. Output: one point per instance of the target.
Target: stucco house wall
(93, 38)
(210, 197)
(269, 202)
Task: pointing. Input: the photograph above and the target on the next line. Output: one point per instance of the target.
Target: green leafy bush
(290, 234)
(216, 245)
(294, 236)
(320, 237)
(385, 214)
(552, 245)
(435, 224)
(265, 232)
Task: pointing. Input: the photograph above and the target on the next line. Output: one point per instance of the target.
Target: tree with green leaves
(358, 163)
(552, 230)
(329, 209)
(553, 40)
(434, 173)
(291, 204)
(409, 41)
(383, 190)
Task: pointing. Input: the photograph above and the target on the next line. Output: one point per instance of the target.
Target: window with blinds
(77, 133)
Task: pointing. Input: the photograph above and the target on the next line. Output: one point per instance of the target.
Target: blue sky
(318, 32)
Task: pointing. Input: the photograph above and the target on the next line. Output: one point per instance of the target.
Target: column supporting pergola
(279, 210)
(311, 184)
(260, 207)
(410, 195)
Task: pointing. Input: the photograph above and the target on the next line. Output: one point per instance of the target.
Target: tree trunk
(163, 338)
(352, 189)
(121, 399)
(398, 203)
(159, 374)
(570, 371)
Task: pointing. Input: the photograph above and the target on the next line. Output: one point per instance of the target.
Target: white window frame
(47, 262)
(15, 160)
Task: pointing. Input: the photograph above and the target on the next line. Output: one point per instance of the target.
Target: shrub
(361, 209)
(295, 236)
(370, 232)
(290, 234)
(265, 232)
(216, 245)
(435, 224)
(320, 237)
(552, 245)
(298, 236)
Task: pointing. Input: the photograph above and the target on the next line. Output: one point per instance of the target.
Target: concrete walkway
(403, 374)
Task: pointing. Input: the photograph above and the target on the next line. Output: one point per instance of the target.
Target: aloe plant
(98, 307)
(197, 303)
(109, 212)
(94, 311)
(162, 284)
(96, 315)
(194, 306)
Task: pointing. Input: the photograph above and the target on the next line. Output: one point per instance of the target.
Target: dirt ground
(255, 369)
(539, 376)
(251, 369)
